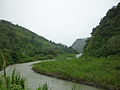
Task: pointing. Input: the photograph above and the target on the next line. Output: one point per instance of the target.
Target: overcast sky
(62, 21)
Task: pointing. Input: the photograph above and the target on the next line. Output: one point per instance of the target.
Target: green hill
(105, 38)
(78, 45)
(18, 44)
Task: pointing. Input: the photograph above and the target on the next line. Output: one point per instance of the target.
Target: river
(33, 79)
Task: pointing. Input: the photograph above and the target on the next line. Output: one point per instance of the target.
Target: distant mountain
(105, 38)
(79, 45)
(17, 42)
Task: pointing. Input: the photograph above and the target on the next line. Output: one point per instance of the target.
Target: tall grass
(15, 82)
(103, 72)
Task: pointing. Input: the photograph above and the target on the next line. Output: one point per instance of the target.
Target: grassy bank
(99, 72)
(10, 61)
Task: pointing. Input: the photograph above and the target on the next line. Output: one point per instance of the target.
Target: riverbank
(36, 58)
(25, 60)
(98, 72)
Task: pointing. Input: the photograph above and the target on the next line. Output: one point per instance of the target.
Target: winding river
(34, 80)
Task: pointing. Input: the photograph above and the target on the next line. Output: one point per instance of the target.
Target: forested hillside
(105, 39)
(18, 44)
(79, 45)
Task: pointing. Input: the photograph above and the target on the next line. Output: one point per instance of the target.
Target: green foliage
(105, 40)
(16, 82)
(102, 71)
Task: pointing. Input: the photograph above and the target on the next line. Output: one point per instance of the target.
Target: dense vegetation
(18, 44)
(105, 40)
(100, 72)
(79, 45)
